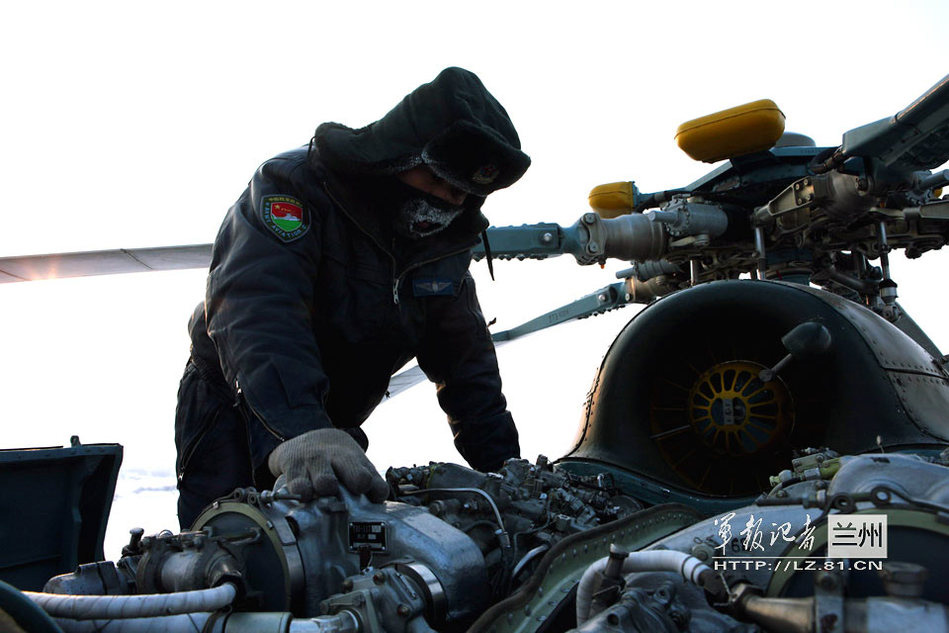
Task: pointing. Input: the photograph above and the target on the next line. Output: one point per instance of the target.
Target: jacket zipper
(395, 285)
(396, 278)
(260, 418)
(186, 458)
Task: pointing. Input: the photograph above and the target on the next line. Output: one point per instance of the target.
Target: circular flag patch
(285, 216)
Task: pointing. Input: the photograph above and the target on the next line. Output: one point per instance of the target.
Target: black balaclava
(413, 213)
(421, 214)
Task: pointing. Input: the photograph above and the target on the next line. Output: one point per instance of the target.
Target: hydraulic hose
(185, 623)
(690, 567)
(268, 622)
(528, 557)
(136, 606)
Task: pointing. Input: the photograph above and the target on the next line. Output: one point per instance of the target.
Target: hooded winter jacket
(309, 313)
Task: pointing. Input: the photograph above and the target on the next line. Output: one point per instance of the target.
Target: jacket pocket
(358, 299)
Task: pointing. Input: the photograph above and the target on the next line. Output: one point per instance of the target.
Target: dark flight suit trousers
(211, 438)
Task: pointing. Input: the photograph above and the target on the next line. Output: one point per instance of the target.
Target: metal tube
(762, 256)
(858, 285)
(528, 557)
(688, 566)
(343, 622)
(884, 252)
(933, 181)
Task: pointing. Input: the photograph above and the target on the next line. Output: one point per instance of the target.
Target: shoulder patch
(285, 216)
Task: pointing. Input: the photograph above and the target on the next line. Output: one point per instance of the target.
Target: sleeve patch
(285, 216)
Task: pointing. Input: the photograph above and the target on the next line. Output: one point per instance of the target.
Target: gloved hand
(316, 462)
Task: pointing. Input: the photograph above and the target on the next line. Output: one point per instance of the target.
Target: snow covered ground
(143, 498)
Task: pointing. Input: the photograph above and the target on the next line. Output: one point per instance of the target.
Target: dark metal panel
(54, 506)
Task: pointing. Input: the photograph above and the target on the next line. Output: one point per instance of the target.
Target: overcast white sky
(129, 124)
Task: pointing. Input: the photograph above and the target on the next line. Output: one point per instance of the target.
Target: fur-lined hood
(453, 125)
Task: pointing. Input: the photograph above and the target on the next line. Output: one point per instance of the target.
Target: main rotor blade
(603, 300)
(405, 379)
(110, 262)
(915, 138)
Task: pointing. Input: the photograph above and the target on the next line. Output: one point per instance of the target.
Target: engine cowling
(678, 403)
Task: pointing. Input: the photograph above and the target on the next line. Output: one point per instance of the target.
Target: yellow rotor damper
(734, 413)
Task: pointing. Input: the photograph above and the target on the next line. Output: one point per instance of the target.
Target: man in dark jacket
(338, 264)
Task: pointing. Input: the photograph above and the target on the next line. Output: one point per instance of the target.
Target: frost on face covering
(423, 216)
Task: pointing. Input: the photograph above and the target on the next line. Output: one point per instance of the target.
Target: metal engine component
(322, 547)
(817, 614)
(632, 236)
(662, 605)
(773, 555)
(453, 542)
(388, 600)
(842, 197)
(523, 537)
(646, 270)
(646, 236)
(515, 515)
(685, 215)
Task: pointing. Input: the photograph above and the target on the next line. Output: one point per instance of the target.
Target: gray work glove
(316, 462)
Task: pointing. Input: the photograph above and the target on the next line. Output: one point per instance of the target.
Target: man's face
(424, 179)
(434, 209)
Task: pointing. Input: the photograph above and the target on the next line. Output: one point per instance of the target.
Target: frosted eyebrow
(456, 191)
